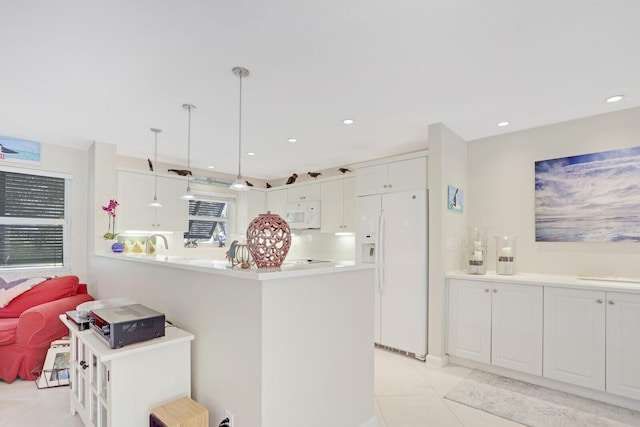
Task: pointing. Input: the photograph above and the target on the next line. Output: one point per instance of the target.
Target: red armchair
(30, 322)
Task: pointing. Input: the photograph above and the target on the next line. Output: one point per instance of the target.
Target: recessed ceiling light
(502, 124)
(211, 167)
(292, 140)
(348, 121)
(614, 98)
(251, 153)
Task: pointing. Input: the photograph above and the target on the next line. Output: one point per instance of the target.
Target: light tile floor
(408, 393)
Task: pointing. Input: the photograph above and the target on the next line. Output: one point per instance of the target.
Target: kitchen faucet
(147, 245)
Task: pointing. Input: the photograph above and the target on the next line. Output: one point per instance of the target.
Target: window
(33, 221)
(208, 222)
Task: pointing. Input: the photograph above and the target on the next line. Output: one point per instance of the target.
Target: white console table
(120, 387)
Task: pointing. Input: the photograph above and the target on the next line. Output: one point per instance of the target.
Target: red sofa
(30, 322)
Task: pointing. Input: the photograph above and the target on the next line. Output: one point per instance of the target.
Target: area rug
(537, 406)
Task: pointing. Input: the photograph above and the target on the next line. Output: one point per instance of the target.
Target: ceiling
(77, 71)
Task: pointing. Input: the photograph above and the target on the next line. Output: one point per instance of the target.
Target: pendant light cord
(155, 167)
(240, 130)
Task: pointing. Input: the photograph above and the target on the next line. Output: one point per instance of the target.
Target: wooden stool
(183, 412)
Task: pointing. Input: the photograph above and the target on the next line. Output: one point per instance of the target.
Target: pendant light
(155, 203)
(239, 184)
(188, 195)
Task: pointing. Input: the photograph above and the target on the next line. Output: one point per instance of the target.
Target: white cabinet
(574, 336)
(135, 191)
(277, 201)
(469, 324)
(496, 323)
(250, 204)
(120, 387)
(394, 176)
(516, 333)
(303, 193)
(623, 345)
(338, 205)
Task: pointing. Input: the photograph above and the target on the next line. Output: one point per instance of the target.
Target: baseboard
(437, 361)
(373, 422)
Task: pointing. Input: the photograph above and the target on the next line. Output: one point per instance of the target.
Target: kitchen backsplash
(305, 244)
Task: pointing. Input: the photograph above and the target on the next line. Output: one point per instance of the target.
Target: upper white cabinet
(496, 323)
(394, 176)
(338, 205)
(277, 201)
(574, 336)
(623, 345)
(303, 193)
(250, 204)
(135, 192)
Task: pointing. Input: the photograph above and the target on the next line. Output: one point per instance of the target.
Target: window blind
(32, 214)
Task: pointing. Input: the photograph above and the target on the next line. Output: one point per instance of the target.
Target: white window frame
(66, 224)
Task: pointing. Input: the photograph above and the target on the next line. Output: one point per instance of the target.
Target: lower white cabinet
(469, 323)
(120, 387)
(584, 337)
(574, 336)
(496, 323)
(516, 333)
(623, 344)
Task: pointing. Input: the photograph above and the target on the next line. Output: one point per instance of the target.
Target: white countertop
(601, 283)
(222, 267)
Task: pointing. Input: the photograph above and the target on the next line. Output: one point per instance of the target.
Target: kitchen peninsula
(274, 347)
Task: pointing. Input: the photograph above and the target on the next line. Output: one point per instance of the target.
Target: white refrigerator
(392, 232)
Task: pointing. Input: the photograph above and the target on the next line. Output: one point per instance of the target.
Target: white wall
(501, 192)
(72, 161)
(447, 166)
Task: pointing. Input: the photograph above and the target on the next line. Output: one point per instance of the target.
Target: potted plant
(110, 235)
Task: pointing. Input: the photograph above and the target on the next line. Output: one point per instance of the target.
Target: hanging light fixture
(155, 203)
(239, 184)
(188, 195)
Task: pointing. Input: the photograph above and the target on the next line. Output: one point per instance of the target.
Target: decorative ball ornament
(269, 240)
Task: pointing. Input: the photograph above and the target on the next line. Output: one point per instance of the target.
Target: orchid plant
(111, 212)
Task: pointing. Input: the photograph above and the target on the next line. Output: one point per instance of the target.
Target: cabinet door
(349, 205)
(469, 320)
(332, 206)
(574, 336)
(407, 174)
(135, 192)
(517, 327)
(623, 346)
(303, 193)
(372, 180)
(174, 213)
(277, 201)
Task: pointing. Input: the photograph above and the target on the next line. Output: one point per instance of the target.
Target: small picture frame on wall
(19, 150)
(455, 199)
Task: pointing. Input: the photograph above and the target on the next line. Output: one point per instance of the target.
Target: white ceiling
(77, 71)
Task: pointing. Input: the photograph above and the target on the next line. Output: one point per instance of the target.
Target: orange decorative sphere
(269, 240)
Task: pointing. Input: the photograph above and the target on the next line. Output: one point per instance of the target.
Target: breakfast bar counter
(287, 346)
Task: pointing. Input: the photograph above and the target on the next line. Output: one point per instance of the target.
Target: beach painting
(19, 150)
(589, 198)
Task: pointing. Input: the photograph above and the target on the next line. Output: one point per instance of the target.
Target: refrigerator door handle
(380, 253)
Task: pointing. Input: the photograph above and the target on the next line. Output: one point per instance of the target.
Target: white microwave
(303, 215)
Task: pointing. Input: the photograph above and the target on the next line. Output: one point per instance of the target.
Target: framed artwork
(455, 199)
(589, 198)
(19, 150)
(55, 371)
